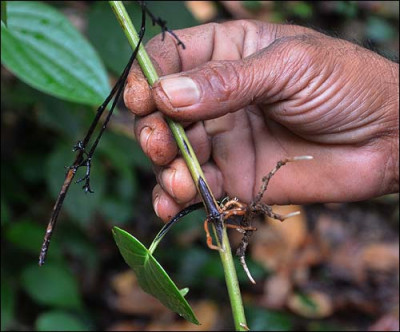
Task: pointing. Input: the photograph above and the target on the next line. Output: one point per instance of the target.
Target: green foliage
(43, 49)
(8, 301)
(58, 320)
(347, 8)
(302, 9)
(28, 237)
(151, 277)
(79, 205)
(266, 320)
(379, 30)
(252, 5)
(52, 285)
(112, 43)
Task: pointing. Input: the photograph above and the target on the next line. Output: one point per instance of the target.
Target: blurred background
(334, 267)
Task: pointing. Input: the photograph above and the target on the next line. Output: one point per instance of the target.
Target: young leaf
(151, 277)
(42, 48)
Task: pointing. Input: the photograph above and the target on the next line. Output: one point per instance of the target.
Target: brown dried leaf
(275, 246)
(203, 11)
(277, 288)
(311, 305)
(207, 313)
(381, 257)
(131, 299)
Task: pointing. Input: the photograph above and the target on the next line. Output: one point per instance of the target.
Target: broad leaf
(42, 48)
(151, 277)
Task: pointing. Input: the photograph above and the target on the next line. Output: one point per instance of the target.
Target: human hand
(251, 93)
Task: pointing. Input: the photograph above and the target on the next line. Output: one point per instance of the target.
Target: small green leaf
(184, 291)
(151, 276)
(58, 320)
(42, 48)
(52, 285)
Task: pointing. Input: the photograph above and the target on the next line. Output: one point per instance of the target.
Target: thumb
(220, 87)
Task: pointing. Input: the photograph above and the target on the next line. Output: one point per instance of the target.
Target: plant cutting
(217, 213)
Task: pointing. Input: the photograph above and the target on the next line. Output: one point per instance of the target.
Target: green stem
(233, 285)
(193, 165)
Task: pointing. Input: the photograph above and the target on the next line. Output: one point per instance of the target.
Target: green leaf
(123, 152)
(174, 12)
(379, 30)
(117, 211)
(251, 5)
(7, 303)
(260, 319)
(151, 276)
(42, 48)
(58, 320)
(302, 9)
(28, 236)
(64, 117)
(51, 285)
(111, 43)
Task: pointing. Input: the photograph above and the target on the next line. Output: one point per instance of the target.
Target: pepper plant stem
(196, 172)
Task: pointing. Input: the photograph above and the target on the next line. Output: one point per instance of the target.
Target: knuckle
(224, 78)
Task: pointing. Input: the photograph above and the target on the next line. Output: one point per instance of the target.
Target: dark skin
(251, 93)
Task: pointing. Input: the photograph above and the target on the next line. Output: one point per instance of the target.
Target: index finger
(203, 43)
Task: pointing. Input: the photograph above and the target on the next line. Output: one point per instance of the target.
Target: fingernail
(144, 137)
(155, 205)
(169, 178)
(181, 91)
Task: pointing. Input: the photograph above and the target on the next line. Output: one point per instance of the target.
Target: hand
(251, 93)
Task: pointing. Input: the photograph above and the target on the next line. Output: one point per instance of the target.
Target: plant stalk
(196, 172)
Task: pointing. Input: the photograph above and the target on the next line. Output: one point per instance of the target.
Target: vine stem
(196, 172)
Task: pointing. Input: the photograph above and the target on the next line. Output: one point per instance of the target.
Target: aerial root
(246, 269)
